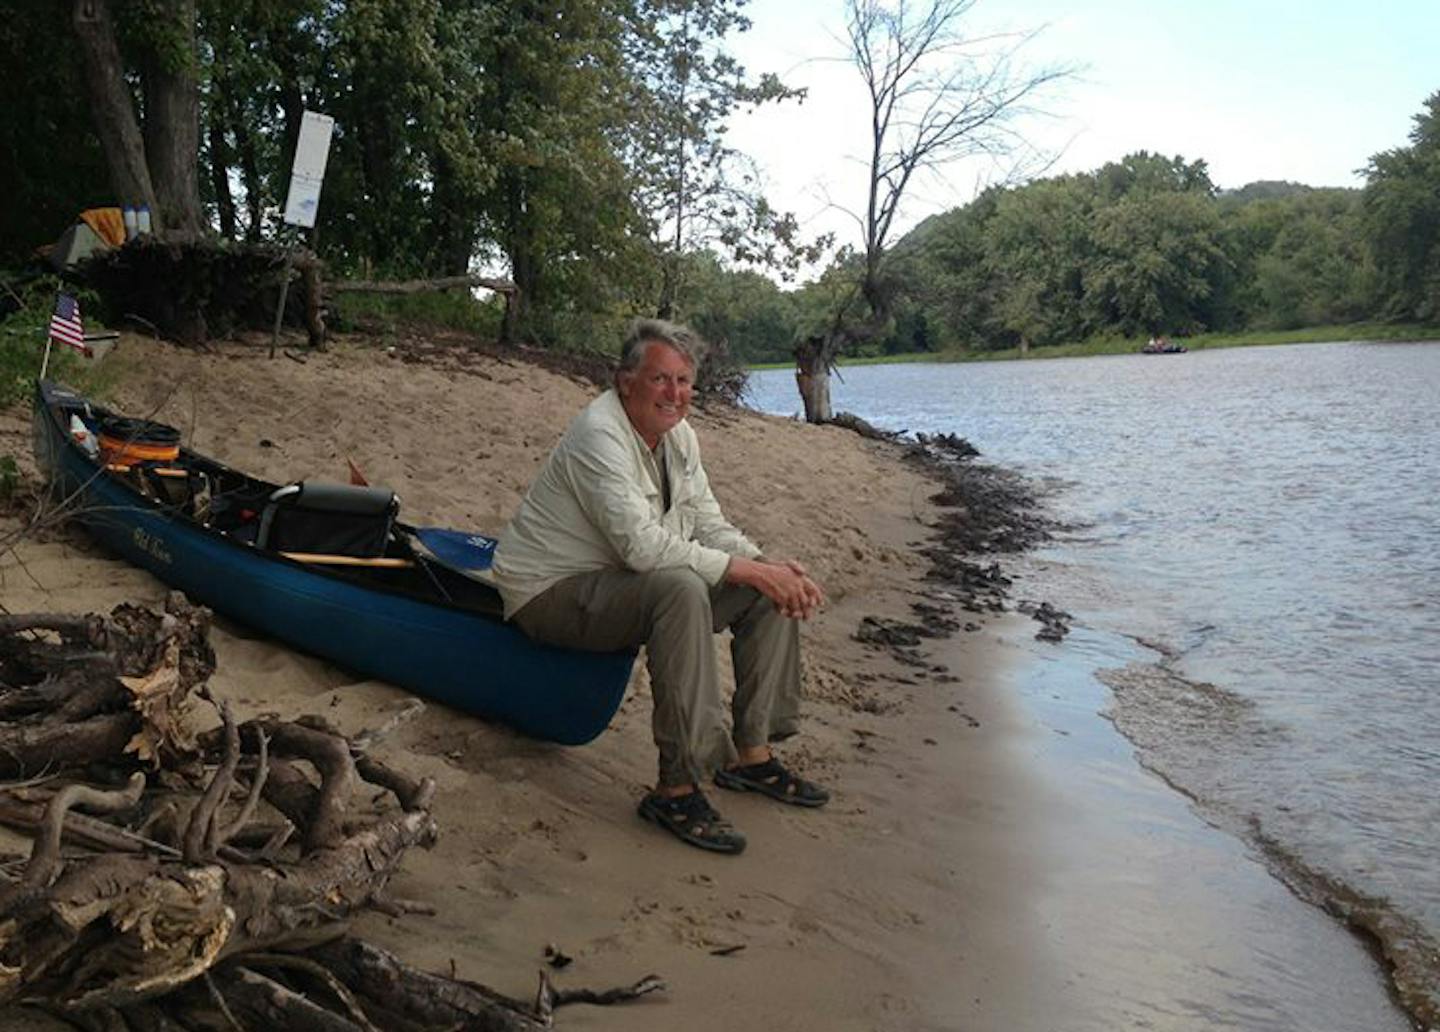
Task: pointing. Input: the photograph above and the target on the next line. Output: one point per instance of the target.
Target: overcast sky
(1259, 89)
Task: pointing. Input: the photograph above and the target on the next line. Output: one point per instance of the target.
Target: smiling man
(620, 543)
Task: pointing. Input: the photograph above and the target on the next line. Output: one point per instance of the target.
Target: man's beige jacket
(598, 504)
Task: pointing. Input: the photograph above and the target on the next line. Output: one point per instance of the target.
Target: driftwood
(850, 421)
(208, 882)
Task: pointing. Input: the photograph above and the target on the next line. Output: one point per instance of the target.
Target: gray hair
(644, 332)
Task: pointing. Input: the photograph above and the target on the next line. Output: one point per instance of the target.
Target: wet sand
(1141, 914)
(993, 858)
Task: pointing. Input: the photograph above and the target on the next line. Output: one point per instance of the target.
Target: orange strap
(161, 471)
(137, 451)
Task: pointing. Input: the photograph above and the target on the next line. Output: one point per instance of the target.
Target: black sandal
(772, 779)
(693, 820)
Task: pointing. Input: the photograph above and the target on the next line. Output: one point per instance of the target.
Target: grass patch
(22, 345)
(23, 333)
(9, 479)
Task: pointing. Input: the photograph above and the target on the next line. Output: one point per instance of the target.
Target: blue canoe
(413, 619)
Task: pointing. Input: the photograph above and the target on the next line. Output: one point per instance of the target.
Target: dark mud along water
(1264, 521)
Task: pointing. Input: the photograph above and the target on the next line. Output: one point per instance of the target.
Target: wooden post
(314, 301)
(284, 292)
(507, 321)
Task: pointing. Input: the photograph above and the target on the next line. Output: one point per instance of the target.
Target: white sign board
(312, 151)
(302, 203)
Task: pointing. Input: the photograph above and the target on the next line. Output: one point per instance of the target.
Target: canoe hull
(461, 658)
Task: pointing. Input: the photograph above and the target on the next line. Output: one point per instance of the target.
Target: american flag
(65, 324)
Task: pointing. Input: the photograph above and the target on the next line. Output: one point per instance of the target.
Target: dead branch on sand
(208, 882)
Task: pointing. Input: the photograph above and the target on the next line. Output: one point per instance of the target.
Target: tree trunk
(172, 126)
(453, 219)
(669, 273)
(220, 169)
(292, 100)
(379, 148)
(113, 107)
(29, 748)
(670, 260)
(249, 170)
(813, 359)
(509, 327)
(524, 263)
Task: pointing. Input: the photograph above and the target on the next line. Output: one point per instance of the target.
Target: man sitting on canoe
(620, 543)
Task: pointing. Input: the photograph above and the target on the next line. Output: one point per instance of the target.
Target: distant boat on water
(1162, 346)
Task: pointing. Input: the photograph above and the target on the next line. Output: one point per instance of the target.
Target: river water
(1264, 521)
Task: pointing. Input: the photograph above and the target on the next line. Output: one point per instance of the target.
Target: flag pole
(45, 362)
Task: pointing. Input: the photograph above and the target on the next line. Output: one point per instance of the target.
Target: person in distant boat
(620, 543)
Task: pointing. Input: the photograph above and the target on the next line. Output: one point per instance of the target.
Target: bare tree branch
(937, 95)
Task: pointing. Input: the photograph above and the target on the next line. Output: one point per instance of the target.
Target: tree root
(418, 999)
(45, 858)
(199, 841)
(186, 918)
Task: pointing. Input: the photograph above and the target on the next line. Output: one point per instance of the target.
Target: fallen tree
(422, 286)
(183, 881)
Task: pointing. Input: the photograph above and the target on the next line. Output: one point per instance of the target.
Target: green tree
(1157, 256)
(561, 208)
(697, 192)
(265, 62)
(1157, 261)
(946, 266)
(739, 308)
(1402, 219)
(1145, 173)
(386, 96)
(461, 169)
(1038, 244)
(405, 81)
(1316, 270)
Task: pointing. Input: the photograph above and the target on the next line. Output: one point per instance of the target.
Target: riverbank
(981, 847)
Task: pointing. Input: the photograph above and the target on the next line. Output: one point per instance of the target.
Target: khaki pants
(675, 615)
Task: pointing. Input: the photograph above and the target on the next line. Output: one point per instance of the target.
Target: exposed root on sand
(203, 882)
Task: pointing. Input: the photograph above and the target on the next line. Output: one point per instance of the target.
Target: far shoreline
(1365, 333)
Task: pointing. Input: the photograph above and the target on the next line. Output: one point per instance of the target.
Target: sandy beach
(993, 858)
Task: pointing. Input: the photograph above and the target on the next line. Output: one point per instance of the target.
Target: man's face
(656, 394)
